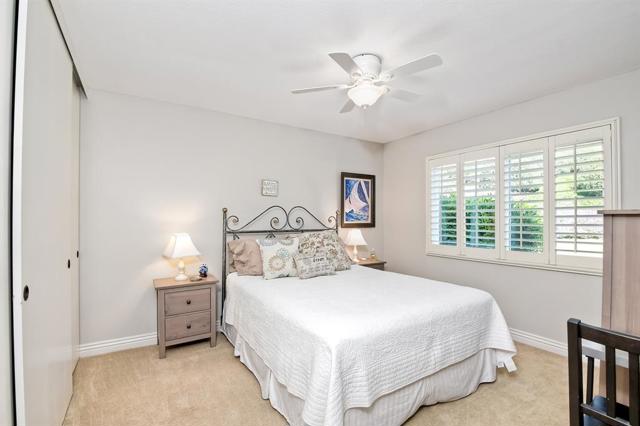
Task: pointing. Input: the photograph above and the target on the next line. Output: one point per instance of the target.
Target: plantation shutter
(480, 195)
(443, 204)
(528, 202)
(580, 165)
(524, 200)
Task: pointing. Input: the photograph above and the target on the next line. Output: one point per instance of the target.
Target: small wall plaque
(269, 188)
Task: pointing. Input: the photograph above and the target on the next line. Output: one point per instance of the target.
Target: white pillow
(277, 257)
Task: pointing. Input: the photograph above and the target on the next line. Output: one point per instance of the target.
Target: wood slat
(622, 341)
(590, 365)
(575, 374)
(610, 359)
(634, 390)
(589, 410)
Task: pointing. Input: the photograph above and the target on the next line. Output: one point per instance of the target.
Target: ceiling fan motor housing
(370, 64)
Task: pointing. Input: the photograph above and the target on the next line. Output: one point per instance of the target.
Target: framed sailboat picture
(358, 201)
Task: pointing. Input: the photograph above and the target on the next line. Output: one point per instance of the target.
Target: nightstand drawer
(188, 325)
(182, 302)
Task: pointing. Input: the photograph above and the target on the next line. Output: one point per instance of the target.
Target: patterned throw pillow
(277, 257)
(313, 265)
(328, 242)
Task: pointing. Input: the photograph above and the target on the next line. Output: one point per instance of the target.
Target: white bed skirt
(451, 383)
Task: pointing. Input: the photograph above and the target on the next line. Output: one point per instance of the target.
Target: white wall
(6, 99)
(151, 168)
(534, 301)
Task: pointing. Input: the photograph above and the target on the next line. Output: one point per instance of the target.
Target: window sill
(556, 268)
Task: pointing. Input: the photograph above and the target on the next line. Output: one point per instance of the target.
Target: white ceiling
(242, 57)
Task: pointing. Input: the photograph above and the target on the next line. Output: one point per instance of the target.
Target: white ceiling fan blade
(347, 107)
(346, 62)
(404, 95)
(319, 89)
(418, 65)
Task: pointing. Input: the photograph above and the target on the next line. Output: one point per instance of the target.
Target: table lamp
(179, 247)
(355, 239)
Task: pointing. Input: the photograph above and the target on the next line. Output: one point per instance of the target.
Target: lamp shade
(180, 245)
(355, 238)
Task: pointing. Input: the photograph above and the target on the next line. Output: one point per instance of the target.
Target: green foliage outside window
(480, 222)
(525, 225)
(479, 211)
(449, 220)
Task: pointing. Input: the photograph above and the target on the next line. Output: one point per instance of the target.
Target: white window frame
(485, 253)
(541, 144)
(548, 259)
(567, 139)
(439, 248)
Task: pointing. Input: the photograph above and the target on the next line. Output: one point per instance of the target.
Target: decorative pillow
(328, 242)
(313, 265)
(245, 257)
(277, 257)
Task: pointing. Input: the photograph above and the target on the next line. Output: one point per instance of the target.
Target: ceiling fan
(368, 82)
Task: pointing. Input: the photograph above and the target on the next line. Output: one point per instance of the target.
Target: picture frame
(357, 200)
(269, 188)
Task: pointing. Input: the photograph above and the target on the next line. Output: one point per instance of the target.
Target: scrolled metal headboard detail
(282, 221)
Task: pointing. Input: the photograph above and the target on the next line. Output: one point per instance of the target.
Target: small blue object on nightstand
(203, 270)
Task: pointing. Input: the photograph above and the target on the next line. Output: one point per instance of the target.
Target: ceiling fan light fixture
(366, 94)
(367, 80)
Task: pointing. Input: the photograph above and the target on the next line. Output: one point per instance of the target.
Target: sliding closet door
(7, 18)
(43, 215)
(75, 224)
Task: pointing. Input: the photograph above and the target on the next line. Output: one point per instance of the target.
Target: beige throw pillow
(245, 257)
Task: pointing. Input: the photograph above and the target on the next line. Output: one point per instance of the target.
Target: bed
(363, 346)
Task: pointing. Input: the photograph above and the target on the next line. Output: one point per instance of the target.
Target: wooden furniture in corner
(372, 263)
(186, 311)
(598, 410)
(621, 282)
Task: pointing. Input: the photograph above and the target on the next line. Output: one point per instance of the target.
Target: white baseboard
(539, 342)
(150, 339)
(121, 344)
(115, 345)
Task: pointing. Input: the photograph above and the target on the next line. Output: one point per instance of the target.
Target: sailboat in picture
(357, 193)
(354, 205)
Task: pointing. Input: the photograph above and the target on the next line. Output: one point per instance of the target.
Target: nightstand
(372, 263)
(186, 311)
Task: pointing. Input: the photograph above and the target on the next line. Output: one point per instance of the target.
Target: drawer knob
(188, 326)
(188, 301)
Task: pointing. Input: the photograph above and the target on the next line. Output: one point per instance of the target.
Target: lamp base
(181, 275)
(355, 257)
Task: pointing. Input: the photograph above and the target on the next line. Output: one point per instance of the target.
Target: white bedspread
(343, 341)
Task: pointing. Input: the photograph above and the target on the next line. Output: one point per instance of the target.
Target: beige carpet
(197, 385)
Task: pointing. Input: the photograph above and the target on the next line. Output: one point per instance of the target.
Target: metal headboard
(283, 221)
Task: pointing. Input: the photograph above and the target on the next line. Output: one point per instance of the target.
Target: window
(531, 201)
(443, 177)
(480, 192)
(524, 192)
(580, 176)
